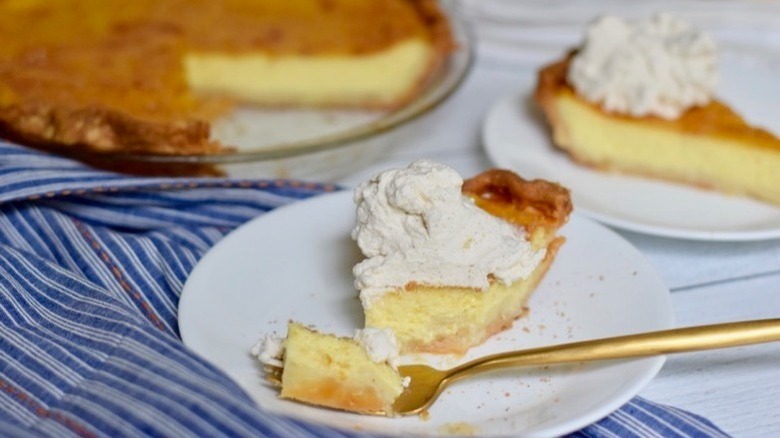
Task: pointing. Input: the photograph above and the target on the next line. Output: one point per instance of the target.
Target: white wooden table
(710, 282)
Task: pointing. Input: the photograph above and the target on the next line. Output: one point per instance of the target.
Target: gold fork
(427, 383)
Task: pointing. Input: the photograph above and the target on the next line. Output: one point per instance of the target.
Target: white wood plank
(736, 388)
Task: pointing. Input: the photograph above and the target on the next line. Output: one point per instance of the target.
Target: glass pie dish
(311, 144)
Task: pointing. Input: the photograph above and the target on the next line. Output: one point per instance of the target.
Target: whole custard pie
(151, 75)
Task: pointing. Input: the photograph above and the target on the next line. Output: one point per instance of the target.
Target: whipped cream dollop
(415, 226)
(269, 350)
(661, 66)
(379, 343)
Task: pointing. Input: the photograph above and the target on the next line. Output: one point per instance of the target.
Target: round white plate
(295, 263)
(516, 136)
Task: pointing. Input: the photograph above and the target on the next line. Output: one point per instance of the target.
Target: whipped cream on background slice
(415, 226)
(661, 66)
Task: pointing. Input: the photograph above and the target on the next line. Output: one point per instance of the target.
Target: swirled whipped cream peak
(660, 67)
(414, 226)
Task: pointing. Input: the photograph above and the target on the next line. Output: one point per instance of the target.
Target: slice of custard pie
(639, 98)
(356, 374)
(449, 263)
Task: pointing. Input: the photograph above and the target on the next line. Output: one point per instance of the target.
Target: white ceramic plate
(295, 263)
(515, 136)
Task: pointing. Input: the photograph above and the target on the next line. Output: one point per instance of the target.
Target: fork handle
(678, 340)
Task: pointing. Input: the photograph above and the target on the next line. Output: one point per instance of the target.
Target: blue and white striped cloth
(91, 267)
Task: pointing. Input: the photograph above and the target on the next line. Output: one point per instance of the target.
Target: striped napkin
(91, 268)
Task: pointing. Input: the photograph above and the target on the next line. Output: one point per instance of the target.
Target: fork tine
(270, 368)
(273, 375)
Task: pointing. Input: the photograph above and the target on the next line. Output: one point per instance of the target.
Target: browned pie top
(528, 203)
(715, 118)
(57, 57)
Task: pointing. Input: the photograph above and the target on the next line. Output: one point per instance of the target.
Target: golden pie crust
(532, 204)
